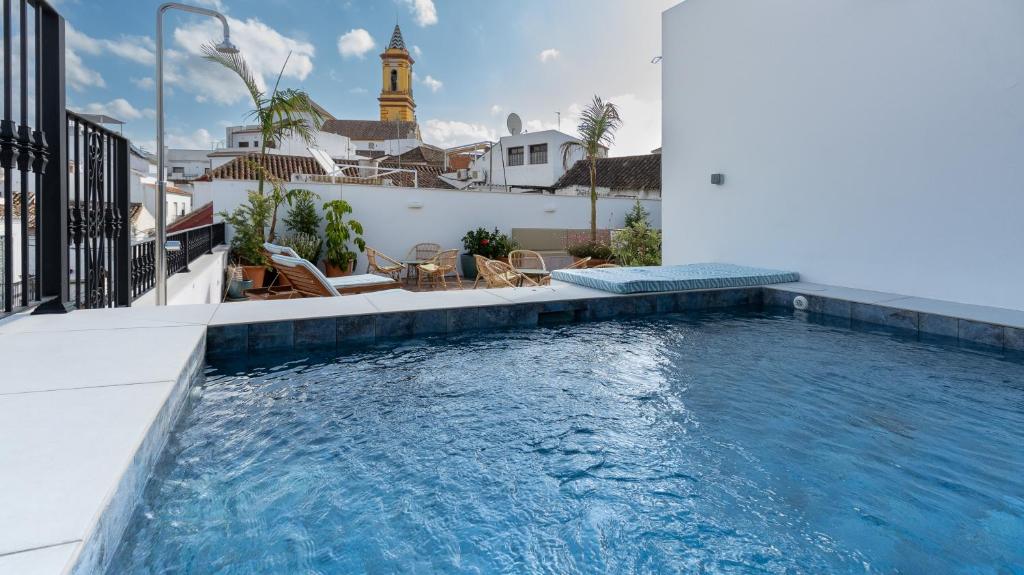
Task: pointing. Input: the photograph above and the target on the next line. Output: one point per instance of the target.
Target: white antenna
(515, 124)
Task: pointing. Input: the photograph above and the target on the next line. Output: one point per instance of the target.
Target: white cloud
(79, 75)
(358, 90)
(539, 125)
(264, 48)
(145, 83)
(416, 51)
(641, 125)
(446, 133)
(424, 11)
(433, 83)
(119, 108)
(197, 140)
(138, 49)
(496, 109)
(356, 42)
(549, 54)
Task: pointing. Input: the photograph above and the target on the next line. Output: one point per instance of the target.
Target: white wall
(545, 174)
(393, 227)
(204, 283)
(866, 143)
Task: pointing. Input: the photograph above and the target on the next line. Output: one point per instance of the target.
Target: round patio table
(410, 267)
(534, 274)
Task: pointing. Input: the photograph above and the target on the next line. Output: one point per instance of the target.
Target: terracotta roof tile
(201, 216)
(422, 154)
(374, 130)
(283, 167)
(622, 173)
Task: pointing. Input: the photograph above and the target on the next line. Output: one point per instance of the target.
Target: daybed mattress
(673, 278)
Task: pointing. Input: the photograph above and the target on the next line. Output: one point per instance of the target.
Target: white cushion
(359, 280)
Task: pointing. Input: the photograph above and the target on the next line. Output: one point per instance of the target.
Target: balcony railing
(195, 242)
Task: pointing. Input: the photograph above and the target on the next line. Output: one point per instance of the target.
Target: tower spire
(397, 43)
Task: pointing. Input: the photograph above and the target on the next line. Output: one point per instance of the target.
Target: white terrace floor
(80, 392)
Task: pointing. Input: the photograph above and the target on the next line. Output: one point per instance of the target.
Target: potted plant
(340, 260)
(249, 222)
(492, 245)
(598, 253)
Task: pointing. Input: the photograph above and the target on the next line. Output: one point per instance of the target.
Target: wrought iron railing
(195, 242)
(99, 229)
(65, 194)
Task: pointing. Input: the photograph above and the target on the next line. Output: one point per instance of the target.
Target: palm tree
(598, 123)
(280, 114)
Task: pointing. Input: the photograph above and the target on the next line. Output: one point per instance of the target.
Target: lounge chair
(310, 282)
(436, 269)
(276, 250)
(378, 263)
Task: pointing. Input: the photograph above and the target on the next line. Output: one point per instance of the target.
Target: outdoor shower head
(227, 47)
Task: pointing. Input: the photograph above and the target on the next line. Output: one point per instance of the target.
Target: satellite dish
(515, 124)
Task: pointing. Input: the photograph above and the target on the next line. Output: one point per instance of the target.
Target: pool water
(712, 443)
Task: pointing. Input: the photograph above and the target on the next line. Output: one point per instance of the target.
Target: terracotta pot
(334, 271)
(258, 274)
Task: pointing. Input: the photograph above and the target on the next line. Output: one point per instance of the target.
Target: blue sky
(476, 61)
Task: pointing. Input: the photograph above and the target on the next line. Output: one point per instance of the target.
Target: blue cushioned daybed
(673, 278)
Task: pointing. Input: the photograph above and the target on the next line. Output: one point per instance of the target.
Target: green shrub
(638, 215)
(637, 245)
(250, 222)
(307, 246)
(595, 250)
(304, 222)
(493, 245)
(339, 232)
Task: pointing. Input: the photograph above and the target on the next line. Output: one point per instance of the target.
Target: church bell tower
(396, 102)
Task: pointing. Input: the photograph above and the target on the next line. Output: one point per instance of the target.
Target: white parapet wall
(203, 283)
(396, 218)
(870, 144)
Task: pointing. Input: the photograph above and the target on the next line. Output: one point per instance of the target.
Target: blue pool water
(718, 443)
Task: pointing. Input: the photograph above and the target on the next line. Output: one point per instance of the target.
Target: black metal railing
(32, 89)
(195, 242)
(99, 229)
(66, 192)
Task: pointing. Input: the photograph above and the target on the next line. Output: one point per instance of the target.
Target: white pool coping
(84, 394)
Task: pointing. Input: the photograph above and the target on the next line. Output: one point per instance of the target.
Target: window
(255, 144)
(515, 156)
(178, 170)
(394, 80)
(539, 154)
(243, 144)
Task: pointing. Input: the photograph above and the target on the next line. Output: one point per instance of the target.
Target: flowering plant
(491, 245)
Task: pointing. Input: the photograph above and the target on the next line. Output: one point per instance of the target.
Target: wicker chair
(385, 266)
(424, 252)
(436, 269)
(481, 269)
(526, 259)
(500, 274)
(580, 263)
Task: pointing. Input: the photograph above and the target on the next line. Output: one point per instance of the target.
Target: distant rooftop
(372, 130)
(284, 166)
(621, 173)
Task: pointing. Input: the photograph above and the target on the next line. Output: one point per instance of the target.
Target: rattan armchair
(526, 259)
(500, 274)
(580, 263)
(481, 269)
(438, 268)
(378, 263)
(424, 252)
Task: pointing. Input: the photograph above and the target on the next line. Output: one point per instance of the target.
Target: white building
(142, 186)
(375, 138)
(186, 165)
(523, 161)
(872, 145)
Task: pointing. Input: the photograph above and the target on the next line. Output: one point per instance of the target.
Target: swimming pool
(717, 442)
